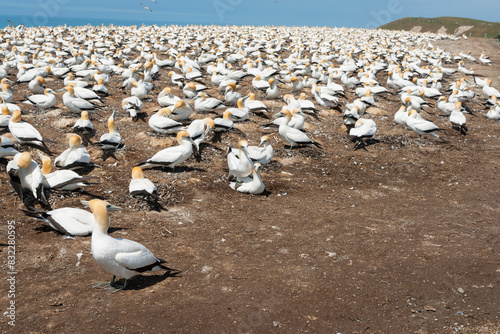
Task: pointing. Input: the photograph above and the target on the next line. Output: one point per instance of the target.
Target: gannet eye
(108, 206)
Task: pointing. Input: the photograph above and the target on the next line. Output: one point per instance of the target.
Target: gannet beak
(114, 208)
(277, 115)
(61, 90)
(85, 203)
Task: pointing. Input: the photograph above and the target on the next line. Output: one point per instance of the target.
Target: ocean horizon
(30, 21)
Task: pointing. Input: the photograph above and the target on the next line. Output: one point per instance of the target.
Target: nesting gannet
(351, 116)
(6, 94)
(205, 104)
(76, 156)
(363, 129)
(493, 113)
(223, 124)
(198, 130)
(401, 116)
(240, 165)
(120, 257)
(253, 186)
(5, 117)
(166, 98)
(293, 136)
(24, 132)
(162, 123)
(133, 105)
(263, 153)
(240, 113)
(7, 147)
(420, 125)
(174, 155)
(83, 124)
(306, 105)
(75, 104)
(253, 105)
(37, 85)
(272, 92)
(25, 174)
(181, 111)
(324, 96)
(259, 84)
(140, 187)
(44, 101)
(139, 90)
(100, 89)
(231, 97)
(458, 120)
(488, 90)
(177, 79)
(191, 90)
(112, 139)
(67, 221)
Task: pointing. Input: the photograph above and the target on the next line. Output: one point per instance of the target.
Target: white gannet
(166, 98)
(112, 139)
(488, 90)
(25, 133)
(231, 97)
(253, 105)
(240, 165)
(139, 90)
(45, 100)
(191, 90)
(75, 104)
(162, 123)
(259, 84)
(25, 174)
(458, 120)
(174, 155)
(37, 85)
(444, 106)
(140, 187)
(100, 89)
(7, 147)
(177, 79)
(297, 121)
(204, 104)
(272, 92)
(61, 179)
(240, 113)
(254, 186)
(223, 124)
(5, 117)
(363, 129)
(401, 116)
(120, 257)
(133, 105)
(83, 124)
(76, 156)
(6, 94)
(421, 126)
(181, 111)
(67, 221)
(293, 136)
(263, 153)
(324, 96)
(198, 130)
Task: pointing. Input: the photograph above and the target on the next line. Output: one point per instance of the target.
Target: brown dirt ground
(402, 237)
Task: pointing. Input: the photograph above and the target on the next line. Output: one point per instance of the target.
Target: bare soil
(402, 237)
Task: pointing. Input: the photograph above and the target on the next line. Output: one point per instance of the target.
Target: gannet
(488, 90)
(444, 106)
(240, 113)
(119, 257)
(5, 117)
(181, 111)
(191, 90)
(401, 116)
(25, 174)
(44, 101)
(112, 139)
(75, 104)
(76, 156)
(67, 221)
(254, 186)
(223, 124)
(37, 85)
(253, 105)
(174, 155)
(363, 129)
(231, 97)
(297, 121)
(140, 187)
(61, 179)
(177, 79)
(458, 120)
(306, 105)
(259, 84)
(293, 136)
(204, 104)
(240, 165)
(421, 126)
(7, 147)
(272, 92)
(166, 98)
(263, 153)
(100, 89)
(139, 90)
(162, 123)
(133, 105)
(493, 113)
(324, 96)
(6, 93)
(25, 133)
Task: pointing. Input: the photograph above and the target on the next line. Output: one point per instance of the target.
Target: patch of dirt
(402, 237)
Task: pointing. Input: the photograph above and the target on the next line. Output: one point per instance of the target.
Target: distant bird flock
(252, 70)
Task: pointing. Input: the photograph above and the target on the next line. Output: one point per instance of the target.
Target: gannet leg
(111, 287)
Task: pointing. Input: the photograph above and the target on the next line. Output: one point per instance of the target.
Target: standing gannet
(133, 105)
(263, 153)
(363, 129)
(43, 101)
(7, 147)
(297, 121)
(240, 165)
(421, 126)
(119, 257)
(76, 156)
(25, 174)
(61, 179)
(199, 129)
(458, 120)
(174, 155)
(162, 123)
(240, 113)
(139, 90)
(272, 92)
(253, 186)
(293, 136)
(140, 187)
(67, 221)
(112, 139)
(25, 133)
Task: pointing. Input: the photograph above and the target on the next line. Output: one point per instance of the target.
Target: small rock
(276, 324)
(460, 290)
(429, 308)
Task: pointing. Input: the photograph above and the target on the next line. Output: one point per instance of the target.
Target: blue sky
(354, 13)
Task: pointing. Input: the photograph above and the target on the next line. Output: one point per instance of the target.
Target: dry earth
(402, 237)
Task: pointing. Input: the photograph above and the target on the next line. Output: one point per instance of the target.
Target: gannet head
(137, 173)
(24, 160)
(84, 115)
(16, 116)
(75, 141)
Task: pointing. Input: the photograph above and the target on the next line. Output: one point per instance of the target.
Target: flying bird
(146, 7)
